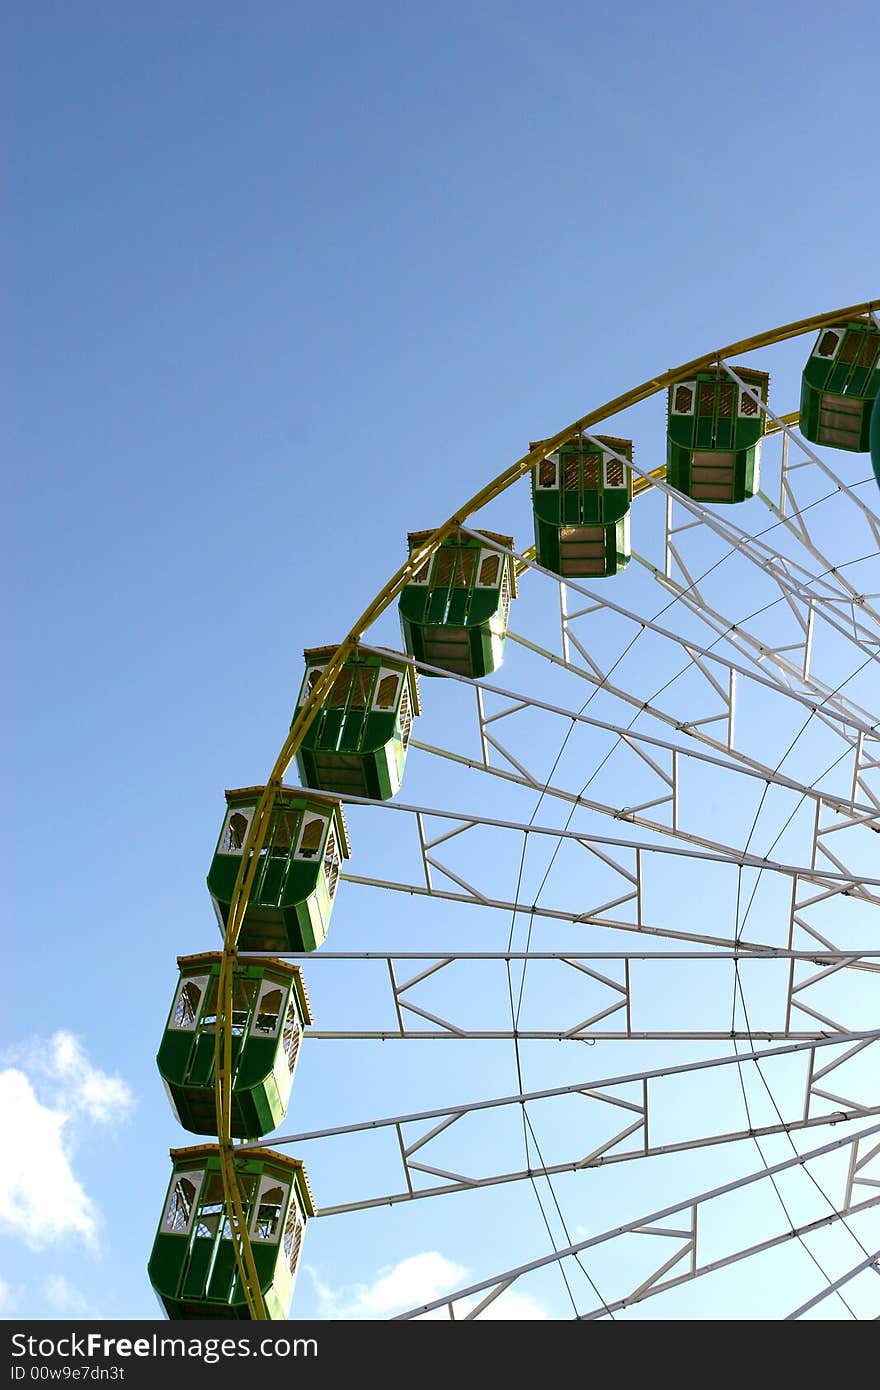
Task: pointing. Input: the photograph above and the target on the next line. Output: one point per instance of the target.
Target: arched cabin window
(182, 1203)
(185, 1009)
(613, 469)
(235, 830)
(311, 836)
(828, 342)
(267, 1015)
(386, 690)
(266, 1224)
(311, 679)
(490, 569)
(547, 473)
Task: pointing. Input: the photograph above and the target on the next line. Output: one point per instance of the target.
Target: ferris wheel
(573, 840)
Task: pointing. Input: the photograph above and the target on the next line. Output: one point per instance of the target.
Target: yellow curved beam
(260, 824)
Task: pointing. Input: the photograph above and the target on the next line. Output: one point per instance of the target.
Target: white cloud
(416, 1280)
(66, 1301)
(61, 1062)
(10, 1297)
(43, 1099)
(508, 1307)
(40, 1197)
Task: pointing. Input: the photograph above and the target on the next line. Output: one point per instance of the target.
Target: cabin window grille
(267, 1015)
(490, 567)
(339, 691)
(546, 473)
(266, 1224)
(293, 1234)
(747, 406)
(311, 837)
(292, 1034)
(505, 595)
(182, 1203)
(465, 564)
(331, 864)
(361, 687)
(571, 472)
(851, 347)
(405, 717)
(185, 1010)
(726, 400)
(706, 398)
(234, 832)
(859, 349)
(683, 397)
(444, 568)
(386, 690)
(591, 472)
(827, 343)
(283, 833)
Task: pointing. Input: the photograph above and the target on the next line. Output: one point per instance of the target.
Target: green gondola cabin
(454, 610)
(714, 433)
(192, 1266)
(296, 879)
(581, 495)
(358, 739)
(270, 1008)
(840, 385)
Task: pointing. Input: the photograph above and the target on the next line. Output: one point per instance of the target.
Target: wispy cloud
(66, 1301)
(10, 1298)
(61, 1065)
(48, 1087)
(413, 1281)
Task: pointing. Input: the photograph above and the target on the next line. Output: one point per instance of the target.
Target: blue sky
(283, 283)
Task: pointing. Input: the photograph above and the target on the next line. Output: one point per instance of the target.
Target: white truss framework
(597, 1090)
(771, 667)
(649, 1225)
(795, 521)
(619, 1004)
(797, 585)
(627, 859)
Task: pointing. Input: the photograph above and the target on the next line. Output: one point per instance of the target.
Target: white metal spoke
(599, 1091)
(650, 1219)
(872, 1262)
